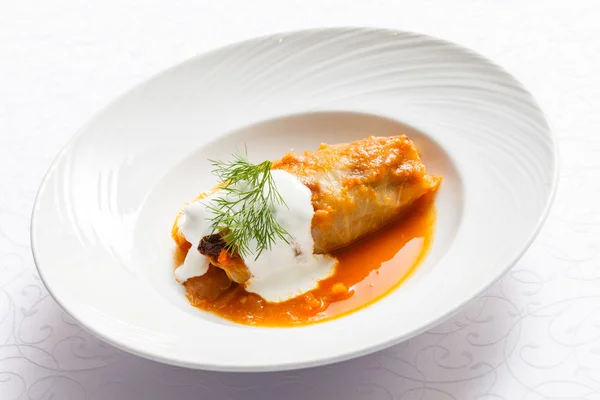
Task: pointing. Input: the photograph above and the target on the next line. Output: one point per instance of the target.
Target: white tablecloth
(535, 335)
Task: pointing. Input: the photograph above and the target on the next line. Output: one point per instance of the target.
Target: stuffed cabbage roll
(356, 189)
(359, 187)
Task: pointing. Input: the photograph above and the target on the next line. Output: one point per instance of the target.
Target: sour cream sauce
(286, 270)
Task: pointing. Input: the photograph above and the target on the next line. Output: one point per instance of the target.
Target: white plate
(102, 218)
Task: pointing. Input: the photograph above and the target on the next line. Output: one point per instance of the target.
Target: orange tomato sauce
(367, 270)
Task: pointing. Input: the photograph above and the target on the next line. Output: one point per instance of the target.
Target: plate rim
(368, 348)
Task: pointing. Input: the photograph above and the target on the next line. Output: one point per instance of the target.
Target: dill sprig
(244, 210)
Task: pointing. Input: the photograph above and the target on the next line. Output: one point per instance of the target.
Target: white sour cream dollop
(281, 273)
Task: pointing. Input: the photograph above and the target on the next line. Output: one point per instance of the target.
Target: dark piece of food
(211, 245)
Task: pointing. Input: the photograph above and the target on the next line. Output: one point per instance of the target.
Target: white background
(535, 335)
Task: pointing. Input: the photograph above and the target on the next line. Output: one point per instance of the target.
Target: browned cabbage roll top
(356, 189)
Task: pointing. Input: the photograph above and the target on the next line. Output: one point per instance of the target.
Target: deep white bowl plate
(102, 218)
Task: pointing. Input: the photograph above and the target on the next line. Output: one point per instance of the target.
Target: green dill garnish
(244, 210)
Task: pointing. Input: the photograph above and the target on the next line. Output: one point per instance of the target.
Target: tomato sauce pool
(367, 270)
